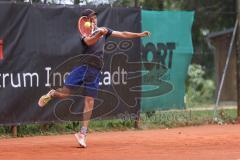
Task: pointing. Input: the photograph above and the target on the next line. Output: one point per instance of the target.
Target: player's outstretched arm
(124, 34)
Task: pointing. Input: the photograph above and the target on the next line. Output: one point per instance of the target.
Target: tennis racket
(85, 26)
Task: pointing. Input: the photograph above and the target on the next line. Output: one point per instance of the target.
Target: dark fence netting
(40, 44)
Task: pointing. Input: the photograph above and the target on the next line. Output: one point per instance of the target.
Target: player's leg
(89, 103)
(58, 93)
(91, 84)
(61, 93)
(88, 107)
(75, 78)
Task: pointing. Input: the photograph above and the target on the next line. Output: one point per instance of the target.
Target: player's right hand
(103, 30)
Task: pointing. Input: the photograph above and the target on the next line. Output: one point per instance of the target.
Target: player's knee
(89, 100)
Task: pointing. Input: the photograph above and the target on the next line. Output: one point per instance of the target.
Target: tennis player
(88, 73)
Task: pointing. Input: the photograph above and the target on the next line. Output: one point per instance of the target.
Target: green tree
(152, 4)
(210, 15)
(123, 3)
(145, 4)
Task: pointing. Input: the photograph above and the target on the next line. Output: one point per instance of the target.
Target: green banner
(170, 50)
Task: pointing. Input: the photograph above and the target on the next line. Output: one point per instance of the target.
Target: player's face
(94, 19)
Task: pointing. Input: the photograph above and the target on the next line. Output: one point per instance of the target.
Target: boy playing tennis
(88, 74)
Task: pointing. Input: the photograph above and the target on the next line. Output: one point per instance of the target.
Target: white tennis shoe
(81, 139)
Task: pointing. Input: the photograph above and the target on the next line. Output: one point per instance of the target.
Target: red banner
(1, 49)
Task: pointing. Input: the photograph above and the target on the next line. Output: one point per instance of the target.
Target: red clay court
(194, 143)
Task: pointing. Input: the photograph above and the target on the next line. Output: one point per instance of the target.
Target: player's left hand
(146, 33)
